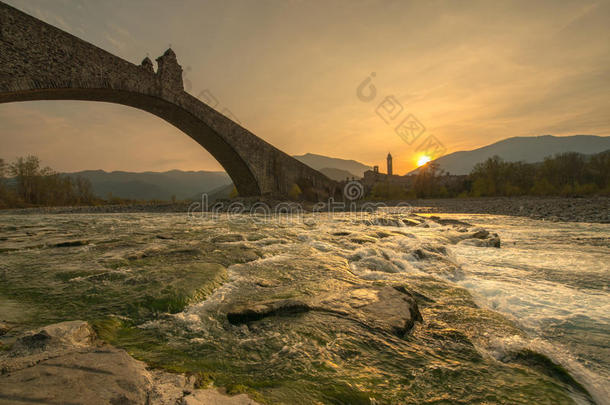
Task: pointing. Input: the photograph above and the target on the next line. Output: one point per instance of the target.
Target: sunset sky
(472, 72)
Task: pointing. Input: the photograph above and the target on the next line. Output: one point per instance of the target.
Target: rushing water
(524, 323)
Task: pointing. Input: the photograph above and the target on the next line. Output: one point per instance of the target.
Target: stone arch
(235, 166)
(41, 62)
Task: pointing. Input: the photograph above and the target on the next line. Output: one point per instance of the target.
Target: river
(527, 322)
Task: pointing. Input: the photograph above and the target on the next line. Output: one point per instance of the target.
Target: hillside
(185, 185)
(527, 149)
(320, 162)
(336, 174)
(152, 185)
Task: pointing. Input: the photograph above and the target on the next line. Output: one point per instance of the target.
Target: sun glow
(423, 160)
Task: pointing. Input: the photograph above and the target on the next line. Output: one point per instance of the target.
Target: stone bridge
(41, 62)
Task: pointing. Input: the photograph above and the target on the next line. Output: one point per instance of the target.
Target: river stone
(213, 397)
(108, 376)
(229, 237)
(481, 238)
(479, 233)
(383, 308)
(67, 243)
(449, 221)
(411, 222)
(71, 334)
(253, 312)
(363, 239)
(492, 241)
(65, 364)
(386, 308)
(381, 221)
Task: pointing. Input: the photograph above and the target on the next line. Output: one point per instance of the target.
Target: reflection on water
(321, 308)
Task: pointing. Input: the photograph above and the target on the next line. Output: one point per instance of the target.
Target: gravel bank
(595, 209)
(591, 209)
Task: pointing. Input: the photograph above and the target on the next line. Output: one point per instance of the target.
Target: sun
(423, 160)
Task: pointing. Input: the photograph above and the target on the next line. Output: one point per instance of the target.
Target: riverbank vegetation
(26, 183)
(567, 174)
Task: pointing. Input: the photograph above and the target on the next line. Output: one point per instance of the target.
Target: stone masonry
(41, 62)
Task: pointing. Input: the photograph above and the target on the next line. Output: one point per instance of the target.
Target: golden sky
(471, 72)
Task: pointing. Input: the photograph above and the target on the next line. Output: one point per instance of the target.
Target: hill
(187, 184)
(320, 162)
(528, 149)
(336, 174)
(152, 185)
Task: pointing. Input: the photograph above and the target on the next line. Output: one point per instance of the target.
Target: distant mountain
(336, 174)
(319, 162)
(528, 149)
(153, 185)
(190, 185)
(221, 192)
(224, 191)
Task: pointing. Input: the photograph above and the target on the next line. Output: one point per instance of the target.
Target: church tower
(389, 164)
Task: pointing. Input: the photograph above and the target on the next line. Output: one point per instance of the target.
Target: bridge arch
(229, 159)
(41, 62)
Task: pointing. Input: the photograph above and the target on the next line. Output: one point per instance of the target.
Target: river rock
(492, 241)
(411, 222)
(362, 239)
(66, 364)
(53, 338)
(254, 312)
(385, 308)
(479, 233)
(103, 376)
(70, 243)
(382, 221)
(214, 397)
(449, 221)
(481, 238)
(229, 237)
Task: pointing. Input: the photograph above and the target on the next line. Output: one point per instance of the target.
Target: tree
(4, 193)
(84, 190)
(26, 172)
(599, 169)
(427, 181)
(487, 176)
(42, 186)
(564, 174)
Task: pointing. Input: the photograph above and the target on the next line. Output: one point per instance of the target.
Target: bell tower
(389, 165)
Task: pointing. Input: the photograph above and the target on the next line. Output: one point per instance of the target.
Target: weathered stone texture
(41, 62)
(66, 364)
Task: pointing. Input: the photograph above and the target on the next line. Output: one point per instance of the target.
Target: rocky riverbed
(594, 210)
(589, 209)
(345, 308)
